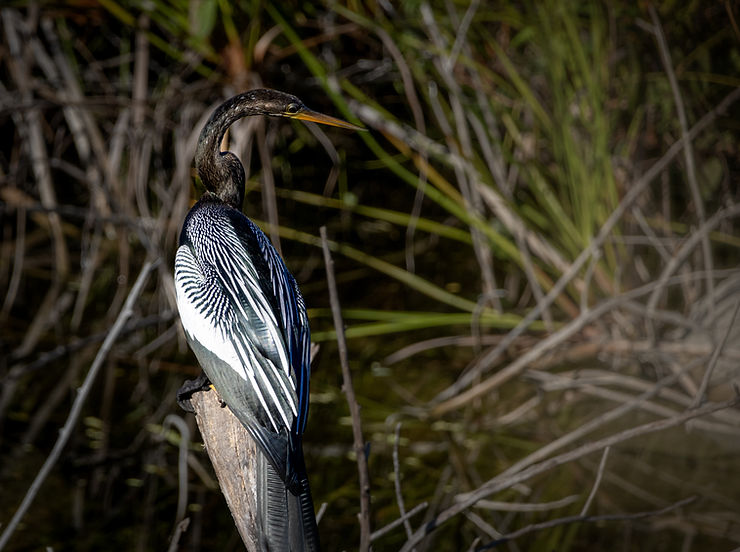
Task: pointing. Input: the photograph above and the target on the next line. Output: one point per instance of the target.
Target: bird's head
(279, 104)
(221, 171)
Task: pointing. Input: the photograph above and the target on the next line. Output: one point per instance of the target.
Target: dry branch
(584, 518)
(233, 454)
(354, 407)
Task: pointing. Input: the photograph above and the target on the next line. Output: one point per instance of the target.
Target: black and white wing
(236, 325)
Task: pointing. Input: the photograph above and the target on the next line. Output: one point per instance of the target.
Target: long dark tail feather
(300, 493)
(286, 517)
(302, 513)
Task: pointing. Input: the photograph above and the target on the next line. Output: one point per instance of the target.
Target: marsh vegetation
(536, 250)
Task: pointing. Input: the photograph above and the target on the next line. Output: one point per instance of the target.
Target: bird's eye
(293, 108)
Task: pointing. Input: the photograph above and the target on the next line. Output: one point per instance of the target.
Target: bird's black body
(245, 319)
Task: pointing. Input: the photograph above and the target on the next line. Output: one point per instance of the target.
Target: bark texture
(233, 454)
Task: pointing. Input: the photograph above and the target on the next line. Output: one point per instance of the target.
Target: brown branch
(354, 407)
(395, 523)
(595, 488)
(233, 454)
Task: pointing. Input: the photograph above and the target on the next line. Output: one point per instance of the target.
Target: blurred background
(536, 246)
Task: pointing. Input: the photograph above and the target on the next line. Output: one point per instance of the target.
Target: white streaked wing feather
(192, 301)
(223, 311)
(293, 317)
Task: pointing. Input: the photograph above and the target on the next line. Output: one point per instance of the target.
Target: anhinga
(245, 319)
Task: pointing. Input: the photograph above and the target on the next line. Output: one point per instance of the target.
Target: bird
(245, 319)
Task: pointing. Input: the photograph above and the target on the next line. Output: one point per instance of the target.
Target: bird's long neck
(221, 172)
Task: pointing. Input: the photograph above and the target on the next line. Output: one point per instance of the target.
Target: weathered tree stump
(233, 454)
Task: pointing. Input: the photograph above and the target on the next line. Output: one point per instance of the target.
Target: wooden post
(233, 454)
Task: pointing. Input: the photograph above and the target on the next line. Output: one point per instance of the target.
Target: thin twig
(403, 519)
(682, 254)
(321, 512)
(713, 361)
(30, 126)
(529, 272)
(397, 480)
(599, 475)
(418, 113)
(82, 393)
(331, 151)
(439, 342)
(499, 506)
(600, 379)
(688, 149)
(354, 407)
(180, 528)
(483, 525)
(582, 518)
(18, 257)
(182, 462)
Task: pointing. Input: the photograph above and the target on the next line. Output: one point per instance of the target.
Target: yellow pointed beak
(316, 117)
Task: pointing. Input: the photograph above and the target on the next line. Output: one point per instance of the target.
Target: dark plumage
(245, 320)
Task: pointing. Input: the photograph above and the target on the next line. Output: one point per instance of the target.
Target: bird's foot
(201, 383)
